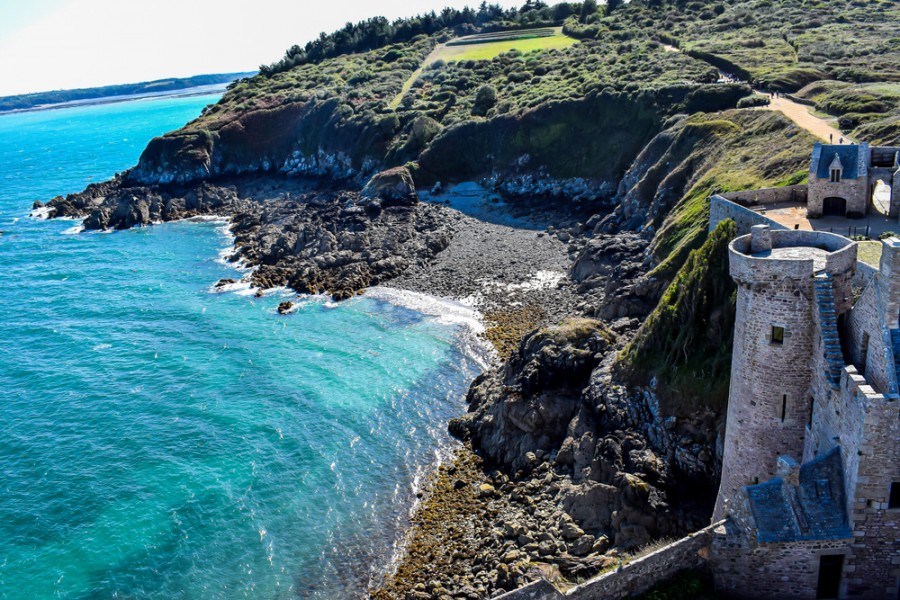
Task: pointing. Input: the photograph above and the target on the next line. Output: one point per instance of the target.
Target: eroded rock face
(526, 405)
(619, 460)
(612, 271)
(336, 243)
(113, 205)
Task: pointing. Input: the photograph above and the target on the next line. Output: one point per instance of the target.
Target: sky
(62, 44)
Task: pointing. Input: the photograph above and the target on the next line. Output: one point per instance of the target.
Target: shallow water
(159, 439)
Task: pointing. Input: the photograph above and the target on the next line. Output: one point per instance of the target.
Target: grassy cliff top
(783, 44)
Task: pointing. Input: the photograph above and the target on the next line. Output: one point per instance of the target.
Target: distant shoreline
(182, 93)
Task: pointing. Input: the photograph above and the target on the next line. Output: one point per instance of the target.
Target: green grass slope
(685, 343)
(730, 151)
(867, 111)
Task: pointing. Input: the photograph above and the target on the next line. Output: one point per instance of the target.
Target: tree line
(378, 31)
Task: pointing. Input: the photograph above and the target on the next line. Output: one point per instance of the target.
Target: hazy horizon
(50, 45)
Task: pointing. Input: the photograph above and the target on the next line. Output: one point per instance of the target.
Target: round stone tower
(785, 281)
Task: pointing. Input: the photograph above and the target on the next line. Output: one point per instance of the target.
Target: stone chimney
(788, 469)
(760, 239)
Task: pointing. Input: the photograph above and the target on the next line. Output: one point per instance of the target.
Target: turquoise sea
(161, 440)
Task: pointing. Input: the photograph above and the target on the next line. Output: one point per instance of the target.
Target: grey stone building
(810, 489)
(842, 179)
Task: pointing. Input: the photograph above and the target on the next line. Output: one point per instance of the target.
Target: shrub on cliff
(685, 343)
(485, 100)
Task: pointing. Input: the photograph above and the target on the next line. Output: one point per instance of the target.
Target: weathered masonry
(843, 179)
(810, 488)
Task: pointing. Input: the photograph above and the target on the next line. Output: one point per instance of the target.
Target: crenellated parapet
(775, 342)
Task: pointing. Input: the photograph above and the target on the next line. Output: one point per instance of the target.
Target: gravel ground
(497, 268)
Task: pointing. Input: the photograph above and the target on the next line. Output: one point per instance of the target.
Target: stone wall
(865, 273)
(632, 578)
(769, 397)
(721, 208)
(873, 565)
(866, 426)
(867, 340)
(785, 193)
(782, 570)
(762, 373)
(889, 281)
(854, 191)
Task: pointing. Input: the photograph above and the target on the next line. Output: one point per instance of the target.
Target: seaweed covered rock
(313, 241)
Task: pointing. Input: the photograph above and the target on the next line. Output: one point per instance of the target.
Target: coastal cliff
(602, 290)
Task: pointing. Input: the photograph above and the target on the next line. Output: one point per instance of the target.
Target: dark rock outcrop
(611, 270)
(525, 406)
(621, 462)
(333, 242)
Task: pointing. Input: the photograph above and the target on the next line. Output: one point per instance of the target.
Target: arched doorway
(834, 206)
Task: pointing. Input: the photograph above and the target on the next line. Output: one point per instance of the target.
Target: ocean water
(159, 439)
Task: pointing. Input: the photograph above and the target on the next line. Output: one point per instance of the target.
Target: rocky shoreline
(561, 470)
(562, 475)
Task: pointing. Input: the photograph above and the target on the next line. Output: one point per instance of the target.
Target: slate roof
(848, 154)
(813, 510)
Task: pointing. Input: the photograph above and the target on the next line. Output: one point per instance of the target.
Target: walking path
(793, 216)
(415, 75)
(823, 129)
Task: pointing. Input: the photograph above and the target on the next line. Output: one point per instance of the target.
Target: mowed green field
(489, 50)
(486, 51)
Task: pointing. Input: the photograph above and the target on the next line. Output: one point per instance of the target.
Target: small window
(894, 500)
(777, 334)
(835, 176)
(783, 407)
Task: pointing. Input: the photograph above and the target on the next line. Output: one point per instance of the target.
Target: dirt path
(823, 129)
(415, 75)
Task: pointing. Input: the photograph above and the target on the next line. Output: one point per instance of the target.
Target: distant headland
(121, 92)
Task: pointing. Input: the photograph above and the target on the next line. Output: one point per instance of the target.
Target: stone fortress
(810, 489)
(809, 499)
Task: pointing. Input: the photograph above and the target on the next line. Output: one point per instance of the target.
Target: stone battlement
(765, 253)
(814, 376)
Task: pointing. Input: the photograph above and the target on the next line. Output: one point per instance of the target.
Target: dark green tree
(588, 8)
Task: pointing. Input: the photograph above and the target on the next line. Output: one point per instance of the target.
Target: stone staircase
(834, 356)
